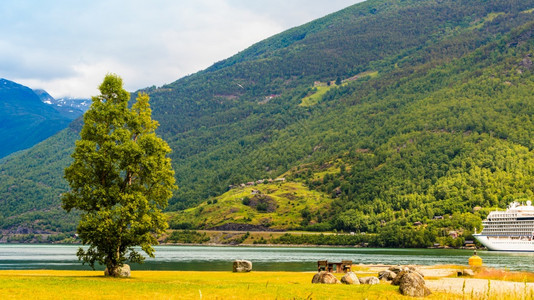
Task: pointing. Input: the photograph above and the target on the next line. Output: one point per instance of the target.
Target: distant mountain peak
(44, 96)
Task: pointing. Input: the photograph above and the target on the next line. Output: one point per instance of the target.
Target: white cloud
(66, 47)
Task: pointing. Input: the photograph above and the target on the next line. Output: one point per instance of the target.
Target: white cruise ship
(510, 230)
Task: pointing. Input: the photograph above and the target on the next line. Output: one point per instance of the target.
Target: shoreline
(223, 238)
(259, 245)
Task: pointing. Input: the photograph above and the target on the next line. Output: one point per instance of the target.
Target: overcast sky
(66, 47)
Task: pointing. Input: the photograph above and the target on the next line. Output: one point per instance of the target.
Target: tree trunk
(112, 270)
(112, 266)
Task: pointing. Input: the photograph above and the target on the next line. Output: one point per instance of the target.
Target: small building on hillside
(469, 243)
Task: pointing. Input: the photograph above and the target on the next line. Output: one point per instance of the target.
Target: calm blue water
(63, 257)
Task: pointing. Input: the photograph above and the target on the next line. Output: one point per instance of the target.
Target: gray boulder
(369, 280)
(397, 269)
(325, 277)
(397, 279)
(386, 275)
(350, 278)
(123, 271)
(413, 285)
(241, 266)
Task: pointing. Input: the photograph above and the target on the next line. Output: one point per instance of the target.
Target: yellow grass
(494, 274)
(47, 284)
(180, 285)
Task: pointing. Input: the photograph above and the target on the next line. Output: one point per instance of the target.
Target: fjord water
(194, 258)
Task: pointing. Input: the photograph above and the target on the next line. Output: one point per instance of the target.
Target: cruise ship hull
(503, 243)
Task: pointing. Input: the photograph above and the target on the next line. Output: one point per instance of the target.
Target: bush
(187, 237)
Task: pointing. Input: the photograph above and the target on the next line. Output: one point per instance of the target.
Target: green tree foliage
(120, 179)
(187, 237)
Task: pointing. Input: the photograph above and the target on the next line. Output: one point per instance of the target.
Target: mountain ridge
(67, 107)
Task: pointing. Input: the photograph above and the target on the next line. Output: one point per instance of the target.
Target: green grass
(317, 96)
(319, 92)
(321, 175)
(490, 17)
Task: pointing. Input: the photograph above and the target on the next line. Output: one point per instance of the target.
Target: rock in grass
(386, 275)
(123, 271)
(413, 285)
(241, 266)
(325, 277)
(350, 278)
(397, 269)
(369, 280)
(397, 279)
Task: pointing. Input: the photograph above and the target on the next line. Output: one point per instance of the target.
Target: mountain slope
(442, 141)
(222, 107)
(24, 119)
(443, 121)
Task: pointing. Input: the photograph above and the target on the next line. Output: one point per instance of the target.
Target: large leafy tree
(120, 179)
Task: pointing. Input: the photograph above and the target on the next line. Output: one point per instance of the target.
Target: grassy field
(179, 285)
(320, 91)
(316, 96)
(47, 284)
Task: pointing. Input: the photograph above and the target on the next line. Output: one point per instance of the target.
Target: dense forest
(442, 128)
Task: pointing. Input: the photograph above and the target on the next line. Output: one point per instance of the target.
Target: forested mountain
(390, 112)
(24, 119)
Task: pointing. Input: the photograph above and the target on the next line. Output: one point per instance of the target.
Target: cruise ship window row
(510, 222)
(509, 226)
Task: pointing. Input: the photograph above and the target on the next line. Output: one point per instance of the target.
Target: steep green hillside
(275, 205)
(216, 118)
(439, 125)
(31, 184)
(24, 119)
